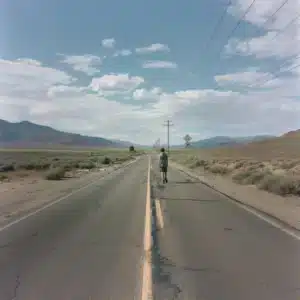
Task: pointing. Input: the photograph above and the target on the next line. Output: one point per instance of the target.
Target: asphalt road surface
(90, 246)
(86, 247)
(212, 249)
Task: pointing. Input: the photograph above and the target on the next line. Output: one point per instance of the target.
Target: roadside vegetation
(58, 164)
(277, 175)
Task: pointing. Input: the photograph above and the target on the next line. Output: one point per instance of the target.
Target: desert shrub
(106, 160)
(87, 165)
(7, 168)
(55, 174)
(256, 176)
(281, 185)
(219, 169)
(198, 163)
(241, 175)
(42, 166)
(3, 177)
(286, 165)
(38, 165)
(27, 166)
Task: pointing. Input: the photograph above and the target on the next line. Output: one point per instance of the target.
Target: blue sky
(118, 69)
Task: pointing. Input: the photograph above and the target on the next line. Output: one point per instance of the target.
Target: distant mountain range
(222, 141)
(26, 134)
(29, 135)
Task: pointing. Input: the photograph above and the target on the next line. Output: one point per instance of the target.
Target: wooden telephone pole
(168, 124)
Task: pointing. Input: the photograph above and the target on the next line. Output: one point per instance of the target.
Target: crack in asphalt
(17, 285)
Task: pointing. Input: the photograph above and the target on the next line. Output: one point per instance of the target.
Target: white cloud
(87, 63)
(159, 64)
(109, 43)
(265, 46)
(143, 94)
(29, 61)
(279, 37)
(124, 52)
(262, 10)
(153, 48)
(61, 90)
(51, 100)
(246, 78)
(116, 82)
(26, 75)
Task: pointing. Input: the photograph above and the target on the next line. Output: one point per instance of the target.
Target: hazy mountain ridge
(27, 134)
(220, 141)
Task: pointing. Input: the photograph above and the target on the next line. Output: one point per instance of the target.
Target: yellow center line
(147, 264)
(159, 214)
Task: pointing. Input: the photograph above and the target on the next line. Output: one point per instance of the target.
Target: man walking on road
(163, 163)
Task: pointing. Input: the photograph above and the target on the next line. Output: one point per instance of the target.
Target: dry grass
(44, 162)
(55, 174)
(269, 165)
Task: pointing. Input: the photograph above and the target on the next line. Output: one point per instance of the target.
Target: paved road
(90, 246)
(212, 249)
(87, 247)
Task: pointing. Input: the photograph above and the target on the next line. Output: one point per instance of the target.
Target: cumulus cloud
(52, 99)
(246, 78)
(144, 94)
(124, 52)
(153, 48)
(28, 75)
(264, 13)
(278, 36)
(29, 61)
(159, 64)
(116, 82)
(108, 43)
(87, 63)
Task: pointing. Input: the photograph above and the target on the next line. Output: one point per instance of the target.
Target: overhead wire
(238, 23)
(276, 76)
(271, 16)
(218, 24)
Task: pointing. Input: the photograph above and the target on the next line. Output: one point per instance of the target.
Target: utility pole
(168, 124)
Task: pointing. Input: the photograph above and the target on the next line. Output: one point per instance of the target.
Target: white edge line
(266, 219)
(253, 210)
(60, 199)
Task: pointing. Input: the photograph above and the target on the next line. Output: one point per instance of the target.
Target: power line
(276, 76)
(279, 68)
(285, 27)
(274, 13)
(239, 22)
(218, 24)
(168, 125)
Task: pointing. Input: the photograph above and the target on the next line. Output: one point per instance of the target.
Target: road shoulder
(20, 199)
(283, 209)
